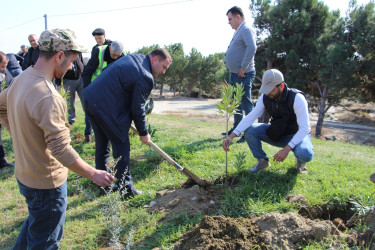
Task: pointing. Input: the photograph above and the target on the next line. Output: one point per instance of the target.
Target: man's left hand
(241, 73)
(282, 154)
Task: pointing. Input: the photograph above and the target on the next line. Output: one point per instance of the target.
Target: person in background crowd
(34, 113)
(73, 84)
(289, 128)
(33, 52)
(239, 60)
(101, 57)
(23, 51)
(14, 64)
(3, 68)
(99, 35)
(5, 75)
(115, 99)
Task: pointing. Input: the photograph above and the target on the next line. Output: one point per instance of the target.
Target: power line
(128, 8)
(100, 11)
(15, 26)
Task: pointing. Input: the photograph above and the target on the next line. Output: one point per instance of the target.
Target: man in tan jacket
(35, 114)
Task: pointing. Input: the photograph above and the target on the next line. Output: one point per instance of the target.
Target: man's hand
(145, 139)
(241, 73)
(228, 141)
(282, 154)
(99, 177)
(102, 178)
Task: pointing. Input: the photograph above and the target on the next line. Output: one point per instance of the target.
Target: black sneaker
(106, 190)
(241, 140)
(229, 132)
(130, 194)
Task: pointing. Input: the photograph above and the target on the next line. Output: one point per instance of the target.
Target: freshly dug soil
(220, 232)
(270, 231)
(192, 199)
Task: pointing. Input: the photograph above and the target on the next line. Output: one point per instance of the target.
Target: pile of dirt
(221, 232)
(290, 230)
(191, 199)
(271, 231)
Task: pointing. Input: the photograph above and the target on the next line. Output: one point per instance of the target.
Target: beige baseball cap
(271, 78)
(60, 40)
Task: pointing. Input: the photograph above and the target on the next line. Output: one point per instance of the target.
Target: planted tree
(231, 97)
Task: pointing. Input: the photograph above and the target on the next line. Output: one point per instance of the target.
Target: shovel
(185, 171)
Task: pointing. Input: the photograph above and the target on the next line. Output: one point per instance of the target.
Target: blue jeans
(104, 138)
(44, 227)
(254, 136)
(246, 104)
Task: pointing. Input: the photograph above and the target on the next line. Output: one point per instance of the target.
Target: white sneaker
(301, 167)
(261, 164)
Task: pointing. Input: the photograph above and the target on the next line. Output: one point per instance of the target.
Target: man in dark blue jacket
(115, 99)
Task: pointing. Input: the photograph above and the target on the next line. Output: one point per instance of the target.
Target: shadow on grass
(168, 230)
(6, 172)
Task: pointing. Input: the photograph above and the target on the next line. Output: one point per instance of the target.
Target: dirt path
(355, 123)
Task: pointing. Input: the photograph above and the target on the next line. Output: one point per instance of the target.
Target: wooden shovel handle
(160, 151)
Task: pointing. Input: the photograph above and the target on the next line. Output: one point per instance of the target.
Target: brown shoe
(88, 138)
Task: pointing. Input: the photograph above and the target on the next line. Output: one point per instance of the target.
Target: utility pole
(45, 21)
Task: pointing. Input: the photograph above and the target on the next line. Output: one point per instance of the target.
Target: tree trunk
(161, 89)
(200, 91)
(269, 64)
(319, 123)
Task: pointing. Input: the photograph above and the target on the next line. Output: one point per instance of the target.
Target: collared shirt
(36, 113)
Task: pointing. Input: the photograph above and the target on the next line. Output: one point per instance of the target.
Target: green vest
(102, 63)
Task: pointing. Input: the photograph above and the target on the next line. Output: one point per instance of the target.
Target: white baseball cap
(271, 78)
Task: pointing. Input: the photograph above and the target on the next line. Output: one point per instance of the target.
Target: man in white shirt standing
(289, 128)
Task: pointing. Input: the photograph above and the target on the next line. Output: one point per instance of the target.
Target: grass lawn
(338, 175)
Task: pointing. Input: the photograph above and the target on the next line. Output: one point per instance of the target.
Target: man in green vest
(101, 57)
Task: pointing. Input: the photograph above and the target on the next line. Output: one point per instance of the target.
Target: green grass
(338, 174)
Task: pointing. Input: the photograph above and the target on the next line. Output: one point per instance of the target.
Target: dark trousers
(104, 137)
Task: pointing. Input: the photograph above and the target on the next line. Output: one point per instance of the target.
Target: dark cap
(98, 32)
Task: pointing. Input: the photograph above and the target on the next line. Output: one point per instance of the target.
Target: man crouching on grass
(289, 128)
(35, 114)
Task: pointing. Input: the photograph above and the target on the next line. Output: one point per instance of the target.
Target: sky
(200, 24)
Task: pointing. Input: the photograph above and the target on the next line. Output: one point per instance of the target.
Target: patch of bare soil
(219, 232)
(191, 199)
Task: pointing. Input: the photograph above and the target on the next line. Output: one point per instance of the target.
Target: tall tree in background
(193, 70)
(176, 72)
(360, 31)
(211, 71)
